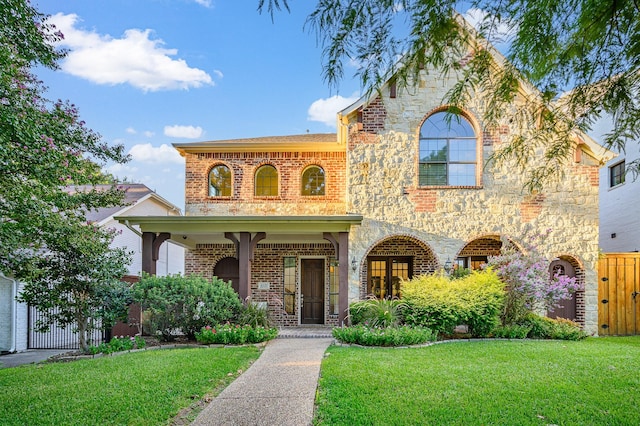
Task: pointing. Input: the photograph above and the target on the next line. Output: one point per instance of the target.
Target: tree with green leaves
(45, 240)
(582, 58)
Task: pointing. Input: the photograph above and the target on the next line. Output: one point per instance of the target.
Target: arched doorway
(567, 307)
(476, 253)
(227, 269)
(392, 260)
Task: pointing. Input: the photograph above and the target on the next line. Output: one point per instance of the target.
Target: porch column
(151, 243)
(246, 247)
(343, 276)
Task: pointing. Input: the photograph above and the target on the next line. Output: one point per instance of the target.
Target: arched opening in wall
(392, 260)
(476, 253)
(228, 269)
(572, 308)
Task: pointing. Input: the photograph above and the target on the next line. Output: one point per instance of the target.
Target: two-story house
(309, 223)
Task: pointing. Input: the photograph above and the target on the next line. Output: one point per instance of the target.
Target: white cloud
(122, 170)
(149, 154)
(188, 132)
(132, 59)
(131, 130)
(148, 134)
(325, 110)
(205, 3)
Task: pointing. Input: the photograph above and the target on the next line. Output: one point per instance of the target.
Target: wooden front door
(312, 277)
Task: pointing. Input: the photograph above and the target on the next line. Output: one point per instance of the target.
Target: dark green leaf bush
(185, 304)
(512, 331)
(548, 328)
(439, 303)
(389, 336)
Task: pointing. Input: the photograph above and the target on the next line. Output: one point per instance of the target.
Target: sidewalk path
(31, 356)
(278, 389)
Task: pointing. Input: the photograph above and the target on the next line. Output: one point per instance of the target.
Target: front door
(312, 276)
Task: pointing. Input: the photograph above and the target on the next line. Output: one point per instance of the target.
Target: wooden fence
(619, 294)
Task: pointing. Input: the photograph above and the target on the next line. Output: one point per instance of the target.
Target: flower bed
(235, 334)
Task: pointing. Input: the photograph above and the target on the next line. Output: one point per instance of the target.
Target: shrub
(513, 331)
(565, 329)
(548, 328)
(185, 304)
(118, 344)
(235, 334)
(254, 315)
(377, 312)
(526, 275)
(439, 303)
(390, 336)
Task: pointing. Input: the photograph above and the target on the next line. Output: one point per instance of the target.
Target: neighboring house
(139, 200)
(309, 223)
(619, 202)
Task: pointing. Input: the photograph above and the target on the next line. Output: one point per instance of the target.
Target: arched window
(312, 181)
(448, 153)
(266, 181)
(220, 181)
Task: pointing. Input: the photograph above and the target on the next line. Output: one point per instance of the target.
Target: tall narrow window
(616, 174)
(447, 151)
(289, 287)
(312, 181)
(220, 181)
(266, 181)
(334, 287)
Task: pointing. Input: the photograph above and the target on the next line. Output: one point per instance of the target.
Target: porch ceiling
(191, 230)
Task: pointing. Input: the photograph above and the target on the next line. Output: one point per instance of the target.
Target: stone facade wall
(267, 267)
(383, 187)
(243, 166)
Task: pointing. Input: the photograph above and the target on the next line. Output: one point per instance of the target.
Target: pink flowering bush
(529, 286)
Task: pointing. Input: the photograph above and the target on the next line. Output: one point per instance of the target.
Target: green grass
(141, 388)
(591, 382)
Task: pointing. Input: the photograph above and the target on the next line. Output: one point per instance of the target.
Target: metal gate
(57, 337)
(619, 294)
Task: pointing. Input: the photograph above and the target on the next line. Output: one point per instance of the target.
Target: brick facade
(243, 165)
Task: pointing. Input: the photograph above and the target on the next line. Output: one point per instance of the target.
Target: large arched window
(448, 153)
(220, 181)
(266, 181)
(312, 181)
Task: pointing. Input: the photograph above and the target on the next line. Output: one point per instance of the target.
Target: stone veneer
(382, 179)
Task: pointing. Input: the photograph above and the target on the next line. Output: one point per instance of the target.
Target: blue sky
(147, 73)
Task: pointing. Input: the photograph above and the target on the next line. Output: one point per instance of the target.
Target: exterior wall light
(448, 266)
(354, 264)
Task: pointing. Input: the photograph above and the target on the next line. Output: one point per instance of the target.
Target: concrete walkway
(31, 356)
(278, 389)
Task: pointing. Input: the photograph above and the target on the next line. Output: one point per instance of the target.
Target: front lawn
(590, 382)
(142, 388)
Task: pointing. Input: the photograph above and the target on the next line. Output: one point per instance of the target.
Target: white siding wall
(620, 207)
(171, 256)
(22, 325)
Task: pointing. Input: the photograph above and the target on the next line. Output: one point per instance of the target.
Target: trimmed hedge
(439, 303)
